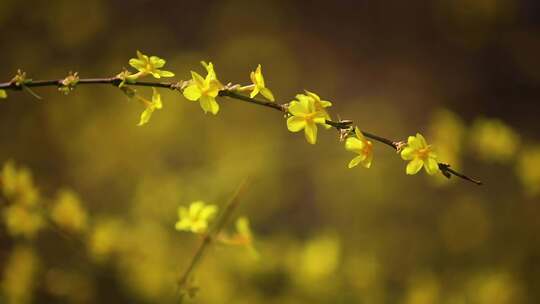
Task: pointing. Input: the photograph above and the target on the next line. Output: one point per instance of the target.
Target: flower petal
(295, 124)
(208, 212)
(254, 92)
(166, 73)
(199, 80)
(199, 226)
(297, 108)
(325, 103)
(313, 95)
(414, 143)
(320, 120)
(407, 153)
(432, 167)
(141, 56)
(195, 209)
(359, 133)
(145, 116)
(192, 92)
(354, 144)
(311, 133)
(252, 77)
(183, 225)
(367, 161)
(209, 104)
(414, 166)
(301, 97)
(157, 62)
(422, 140)
(355, 161)
(156, 99)
(258, 77)
(267, 94)
(137, 64)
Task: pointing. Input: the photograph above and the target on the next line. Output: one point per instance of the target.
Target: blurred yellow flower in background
(363, 147)
(423, 288)
(319, 257)
(259, 85)
(197, 218)
(495, 287)
(420, 155)
(68, 213)
(149, 65)
(148, 271)
(22, 221)
(205, 90)
(21, 216)
(105, 238)
(528, 169)
(18, 185)
(3, 94)
(305, 116)
(19, 276)
(447, 133)
(243, 236)
(493, 140)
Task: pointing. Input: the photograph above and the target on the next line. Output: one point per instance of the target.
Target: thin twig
(207, 239)
(338, 125)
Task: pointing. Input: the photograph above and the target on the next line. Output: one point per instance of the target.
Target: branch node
(399, 145)
(69, 83)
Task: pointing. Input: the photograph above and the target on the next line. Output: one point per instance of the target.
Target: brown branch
(338, 125)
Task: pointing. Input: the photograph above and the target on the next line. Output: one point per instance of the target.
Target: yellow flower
(68, 213)
(242, 236)
(305, 116)
(20, 221)
(205, 90)
(359, 144)
(494, 141)
(528, 170)
(18, 185)
(3, 94)
(319, 258)
(196, 218)
(447, 132)
(259, 86)
(105, 238)
(320, 105)
(150, 106)
(420, 155)
(19, 276)
(149, 65)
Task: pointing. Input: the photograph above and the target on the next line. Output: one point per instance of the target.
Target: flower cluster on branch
(307, 112)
